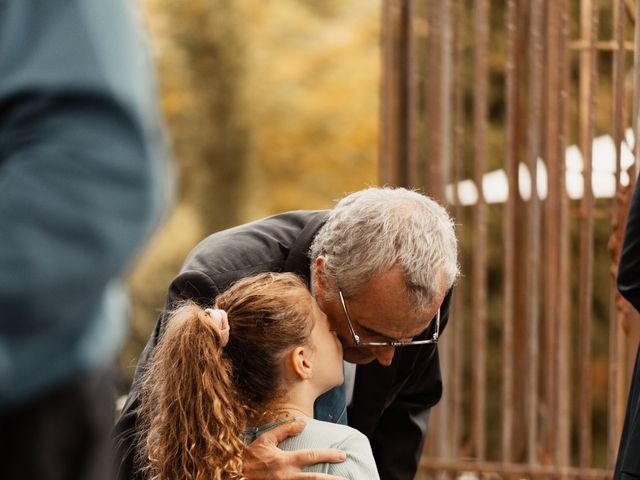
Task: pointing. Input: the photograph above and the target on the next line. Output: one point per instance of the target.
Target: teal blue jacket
(82, 182)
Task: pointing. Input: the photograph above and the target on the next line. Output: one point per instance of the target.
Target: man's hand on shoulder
(263, 460)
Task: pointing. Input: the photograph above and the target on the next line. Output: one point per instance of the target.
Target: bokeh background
(270, 106)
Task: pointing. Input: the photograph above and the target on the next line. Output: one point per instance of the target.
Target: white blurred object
(495, 186)
(468, 476)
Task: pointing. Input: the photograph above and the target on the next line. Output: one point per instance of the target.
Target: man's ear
(300, 361)
(319, 283)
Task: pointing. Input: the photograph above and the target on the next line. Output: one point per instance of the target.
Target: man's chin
(354, 355)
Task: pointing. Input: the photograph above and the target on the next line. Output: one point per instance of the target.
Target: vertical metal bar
(520, 228)
(443, 162)
(433, 96)
(479, 257)
(554, 160)
(563, 329)
(445, 95)
(457, 169)
(533, 223)
(388, 105)
(588, 28)
(394, 101)
(615, 335)
(509, 234)
(439, 94)
(413, 107)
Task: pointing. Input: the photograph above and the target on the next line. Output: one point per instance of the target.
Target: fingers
(263, 459)
(317, 455)
(262, 462)
(281, 432)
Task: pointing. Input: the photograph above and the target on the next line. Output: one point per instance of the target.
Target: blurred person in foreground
(628, 463)
(381, 265)
(82, 165)
(222, 376)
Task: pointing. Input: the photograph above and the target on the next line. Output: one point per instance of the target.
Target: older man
(381, 265)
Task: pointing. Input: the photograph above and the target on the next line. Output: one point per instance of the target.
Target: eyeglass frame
(392, 343)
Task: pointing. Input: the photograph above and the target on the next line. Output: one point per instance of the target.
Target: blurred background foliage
(270, 106)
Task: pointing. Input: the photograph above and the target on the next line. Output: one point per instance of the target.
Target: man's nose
(384, 355)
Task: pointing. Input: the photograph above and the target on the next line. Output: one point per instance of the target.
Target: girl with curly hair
(221, 376)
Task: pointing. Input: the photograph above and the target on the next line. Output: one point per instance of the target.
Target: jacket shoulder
(264, 245)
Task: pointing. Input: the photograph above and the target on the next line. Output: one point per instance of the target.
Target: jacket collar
(298, 260)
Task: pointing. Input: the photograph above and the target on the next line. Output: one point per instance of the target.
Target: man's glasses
(390, 343)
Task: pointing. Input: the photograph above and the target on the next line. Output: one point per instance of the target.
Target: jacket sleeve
(629, 266)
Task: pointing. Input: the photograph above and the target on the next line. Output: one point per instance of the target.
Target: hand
(263, 460)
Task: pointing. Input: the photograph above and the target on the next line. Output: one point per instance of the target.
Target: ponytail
(191, 416)
(198, 392)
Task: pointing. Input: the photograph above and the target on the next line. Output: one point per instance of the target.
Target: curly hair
(198, 397)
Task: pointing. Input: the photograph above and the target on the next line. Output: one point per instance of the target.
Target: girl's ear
(300, 360)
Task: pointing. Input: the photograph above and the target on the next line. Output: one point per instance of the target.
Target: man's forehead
(403, 321)
(385, 306)
(390, 319)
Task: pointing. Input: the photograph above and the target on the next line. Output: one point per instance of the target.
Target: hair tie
(222, 322)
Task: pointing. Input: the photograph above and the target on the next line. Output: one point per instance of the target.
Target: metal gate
(521, 115)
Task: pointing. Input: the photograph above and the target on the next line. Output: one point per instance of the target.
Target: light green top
(359, 465)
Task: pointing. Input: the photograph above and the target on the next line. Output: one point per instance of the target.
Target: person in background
(222, 376)
(628, 462)
(82, 185)
(381, 265)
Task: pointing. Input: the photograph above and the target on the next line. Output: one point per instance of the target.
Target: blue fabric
(251, 433)
(82, 177)
(332, 406)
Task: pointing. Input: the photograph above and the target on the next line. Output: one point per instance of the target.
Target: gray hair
(372, 230)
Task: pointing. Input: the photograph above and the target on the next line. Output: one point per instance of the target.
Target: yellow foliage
(312, 98)
(271, 106)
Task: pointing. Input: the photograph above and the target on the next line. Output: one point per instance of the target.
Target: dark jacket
(628, 463)
(390, 404)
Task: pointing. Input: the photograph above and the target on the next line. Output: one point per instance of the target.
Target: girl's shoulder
(319, 434)
(330, 435)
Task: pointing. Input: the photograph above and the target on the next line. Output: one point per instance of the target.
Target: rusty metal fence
(521, 116)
